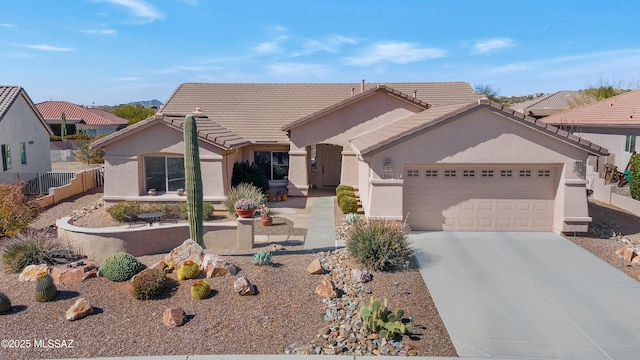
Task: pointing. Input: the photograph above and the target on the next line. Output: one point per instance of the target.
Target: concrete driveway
(529, 296)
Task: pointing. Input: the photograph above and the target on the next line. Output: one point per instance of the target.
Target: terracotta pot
(268, 221)
(152, 192)
(283, 197)
(245, 213)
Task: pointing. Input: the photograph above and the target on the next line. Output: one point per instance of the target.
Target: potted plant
(283, 195)
(181, 192)
(245, 208)
(152, 192)
(265, 218)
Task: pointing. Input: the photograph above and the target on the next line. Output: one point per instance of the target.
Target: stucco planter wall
(98, 243)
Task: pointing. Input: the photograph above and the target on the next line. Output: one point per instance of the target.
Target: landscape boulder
(160, 265)
(189, 250)
(30, 272)
(81, 308)
(627, 253)
(174, 317)
(360, 276)
(315, 267)
(215, 266)
(73, 273)
(326, 289)
(243, 287)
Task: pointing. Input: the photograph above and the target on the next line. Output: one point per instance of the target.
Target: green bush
(243, 191)
(250, 173)
(125, 211)
(634, 176)
(348, 204)
(30, 248)
(207, 211)
(120, 267)
(16, 212)
(379, 245)
(149, 284)
(344, 187)
(129, 210)
(345, 192)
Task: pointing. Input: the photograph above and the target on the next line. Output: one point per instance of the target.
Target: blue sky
(117, 51)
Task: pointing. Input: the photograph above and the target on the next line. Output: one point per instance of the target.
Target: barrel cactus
(5, 304)
(193, 180)
(120, 267)
(45, 288)
(200, 290)
(189, 270)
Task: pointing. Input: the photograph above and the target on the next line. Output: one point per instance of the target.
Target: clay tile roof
(52, 110)
(550, 104)
(258, 112)
(618, 111)
(375, 140)
(8, 95)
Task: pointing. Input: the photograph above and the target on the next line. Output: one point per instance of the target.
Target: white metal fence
(40, 183)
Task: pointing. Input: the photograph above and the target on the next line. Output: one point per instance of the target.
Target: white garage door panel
(522, 201)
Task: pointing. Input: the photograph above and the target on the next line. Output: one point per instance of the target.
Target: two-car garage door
(479, 198)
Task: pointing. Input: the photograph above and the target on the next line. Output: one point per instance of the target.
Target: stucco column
(349, 171)
(245, 233)
(298, 175)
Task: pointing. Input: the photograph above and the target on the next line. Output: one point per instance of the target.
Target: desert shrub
(31, 248)
(379, 245)
(5, 304)
(243, 191)
(124, 211)
(120, 267)
(262, 258)
(342, 193)
(207, 211)
(249, 173)
(16, 212)
(129, 210)
(344, 187)
(149, 284)
(352, 218)
(348, 204)
(634, 176)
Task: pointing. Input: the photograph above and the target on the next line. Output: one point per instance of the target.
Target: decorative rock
(81, 308)
(73, 273)
(315, 267)
(627, 253)
(214, 266)
(277, 247)
(636, 260)
(243, 287)
(159, 265)
(30, 273)
(360, 276)
(326, 290)
(174, 317)
(189, 250)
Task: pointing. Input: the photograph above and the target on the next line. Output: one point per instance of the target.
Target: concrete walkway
(321, 226)
(529, 296)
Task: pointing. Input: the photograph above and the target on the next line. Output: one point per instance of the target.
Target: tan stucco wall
(20, 124)
(124, 168)
(614, 141)
(337, 128)
(481, 137)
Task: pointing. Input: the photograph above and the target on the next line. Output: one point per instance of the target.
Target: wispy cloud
(491, 45)
(330, 44)
(7, 25)
(139, 8)
(297, 71)
(44, 47)
(99, 31)
(395, 52)
(267, 47)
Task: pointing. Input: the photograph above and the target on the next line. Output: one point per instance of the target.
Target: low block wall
(82, 182)
(98, 243)
(606, 194)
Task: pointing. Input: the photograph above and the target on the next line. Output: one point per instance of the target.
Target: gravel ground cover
(286, 316)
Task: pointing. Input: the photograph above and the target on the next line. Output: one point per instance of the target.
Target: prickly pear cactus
(200, 290)
(193, 180)
(189, 270)
(5, 304)
(45, 288)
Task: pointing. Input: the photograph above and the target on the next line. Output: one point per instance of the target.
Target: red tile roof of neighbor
(618, 111)
(52, 110)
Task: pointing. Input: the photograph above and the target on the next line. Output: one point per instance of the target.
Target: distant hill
(147, 103)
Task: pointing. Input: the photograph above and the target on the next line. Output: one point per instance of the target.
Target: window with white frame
(487, 173)
(525, 173)
(449, 173)
(630, 143)
(164, 173)
(468, 173)
(544, 173)
(506, 173)
(431, 173)
(413, 173)
(274, 164)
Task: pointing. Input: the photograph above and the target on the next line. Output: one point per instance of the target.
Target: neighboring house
(435, 154)
(24, 137)
(550, 104)
(613, 123)
(80, 119)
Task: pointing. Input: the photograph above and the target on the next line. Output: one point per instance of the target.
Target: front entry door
(329, 164)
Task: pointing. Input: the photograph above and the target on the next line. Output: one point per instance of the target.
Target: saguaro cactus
(193, 179)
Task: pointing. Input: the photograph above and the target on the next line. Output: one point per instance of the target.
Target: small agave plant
(262, 258)
(352, 218)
